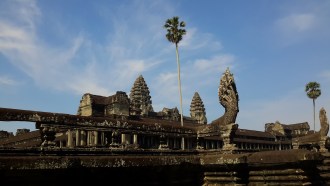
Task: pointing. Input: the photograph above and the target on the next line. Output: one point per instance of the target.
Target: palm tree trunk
(179, 81)
(314, 113)
(179, 84)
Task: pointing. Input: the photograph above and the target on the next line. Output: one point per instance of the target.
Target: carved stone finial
(139, 97)
(319, 138)
(197, 110)
(324, 123)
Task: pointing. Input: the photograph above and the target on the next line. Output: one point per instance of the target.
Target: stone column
(77, 137)
(70, 138)
(83, 138)
(102, 139)
(123, 139)
(182, 143)
(135, 139)
(96, 138)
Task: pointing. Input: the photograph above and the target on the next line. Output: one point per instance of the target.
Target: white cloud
(7, 81)
(297, 23)
(303, 22)
(215, 64)
(48, 66)
(195, 40)
(325, 74)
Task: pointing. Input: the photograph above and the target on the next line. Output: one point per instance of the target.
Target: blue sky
(52, 52)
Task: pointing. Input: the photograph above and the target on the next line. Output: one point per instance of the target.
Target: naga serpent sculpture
(228, 98)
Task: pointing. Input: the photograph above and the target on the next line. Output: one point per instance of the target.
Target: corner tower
(140, 99)
(197, 110)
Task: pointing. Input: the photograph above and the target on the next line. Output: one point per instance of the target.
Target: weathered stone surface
(287, 156)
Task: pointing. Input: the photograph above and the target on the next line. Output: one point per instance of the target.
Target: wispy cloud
(48, 66)
(216, 64)
(325, 74)
(194, 40)
(4, 80)
(296, 23)
(303, 22)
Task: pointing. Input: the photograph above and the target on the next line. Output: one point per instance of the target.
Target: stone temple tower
(197, 110)
(140, 99)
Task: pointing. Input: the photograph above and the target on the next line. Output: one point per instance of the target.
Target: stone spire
(197, 110)
(140, 100)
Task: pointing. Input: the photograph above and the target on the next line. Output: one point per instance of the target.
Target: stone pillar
(96, 138)
(123, 139)
(135, 139)
(83, 138)
(102, 139)
(70, 138)
(77, 137)
(182, 143)
(88, 140)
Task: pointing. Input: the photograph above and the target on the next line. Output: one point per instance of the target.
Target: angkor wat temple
(121, 137)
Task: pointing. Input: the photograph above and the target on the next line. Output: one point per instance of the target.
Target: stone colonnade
(93, 138)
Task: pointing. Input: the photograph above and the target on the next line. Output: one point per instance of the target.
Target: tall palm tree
(313, 91)
(175, 31)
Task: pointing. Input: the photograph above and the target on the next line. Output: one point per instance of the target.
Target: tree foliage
(175, 29)
(313, 90)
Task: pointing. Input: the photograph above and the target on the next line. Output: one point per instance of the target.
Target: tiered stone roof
(197, 110)
(140, 99)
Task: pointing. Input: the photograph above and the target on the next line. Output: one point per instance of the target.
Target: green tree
(313, 91)
(175, 31)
